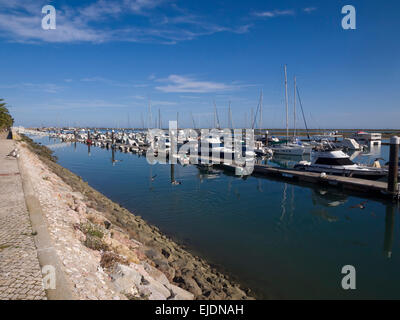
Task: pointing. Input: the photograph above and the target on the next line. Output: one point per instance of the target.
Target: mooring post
(266, 138)
(393, 165)
(389, 229)
(112, 139)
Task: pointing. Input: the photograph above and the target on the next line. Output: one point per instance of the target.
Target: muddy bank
(180, 267)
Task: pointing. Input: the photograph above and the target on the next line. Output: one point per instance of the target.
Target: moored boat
(334, 161)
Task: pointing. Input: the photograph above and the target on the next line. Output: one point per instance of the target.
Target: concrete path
(20, 272)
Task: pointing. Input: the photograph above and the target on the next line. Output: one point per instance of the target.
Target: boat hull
(360, 174)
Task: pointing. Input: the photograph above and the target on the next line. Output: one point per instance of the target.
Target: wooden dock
(368, 187)
(361, 185)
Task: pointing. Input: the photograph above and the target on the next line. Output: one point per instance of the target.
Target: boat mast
(230, 116)
(287, 108)
(215, 115)
(302, 111)
(294, 116)
(149, 126)
(261, 105)
(194, 124)
(216, 118)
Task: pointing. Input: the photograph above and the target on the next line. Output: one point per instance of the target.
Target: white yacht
(293, 149)
(334, 161)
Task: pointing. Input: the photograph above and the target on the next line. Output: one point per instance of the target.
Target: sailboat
(290, 148)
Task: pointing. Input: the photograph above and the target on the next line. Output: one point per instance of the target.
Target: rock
(165, 268)
(155, 274)
(193, 287)
(125, 279)
(122, 249)
(109, 259)
(95, 243)
(155, 295)
(81, 209)
(156, 289)
(179, 293)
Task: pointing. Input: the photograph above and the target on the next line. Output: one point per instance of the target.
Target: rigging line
(302, 111)
(255, 116)
(216, 114)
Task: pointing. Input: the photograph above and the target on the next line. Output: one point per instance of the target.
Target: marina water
(282, 240)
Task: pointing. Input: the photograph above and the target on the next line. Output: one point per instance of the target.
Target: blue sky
(107, 59)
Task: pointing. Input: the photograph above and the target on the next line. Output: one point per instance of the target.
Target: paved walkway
(20, 273)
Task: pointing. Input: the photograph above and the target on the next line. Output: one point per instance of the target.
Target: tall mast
(159, 119)
(149, 114)
(230, 116)
(194, 124)
(215, 115)
(260, 119)
(294, 116)
(287, 107)
(216, 118)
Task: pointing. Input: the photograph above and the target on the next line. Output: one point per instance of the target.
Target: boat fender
(323, 175)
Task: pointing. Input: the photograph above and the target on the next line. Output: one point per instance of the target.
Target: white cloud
(309, 9)
(82, 104)
(182, 84)
(42, 87)
(111, 82)
(139, 97)
(20, 21)
(274, 13)
(162, 103)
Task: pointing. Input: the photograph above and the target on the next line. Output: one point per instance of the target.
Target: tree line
(6, 120)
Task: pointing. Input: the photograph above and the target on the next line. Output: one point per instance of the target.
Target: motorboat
(334, 161)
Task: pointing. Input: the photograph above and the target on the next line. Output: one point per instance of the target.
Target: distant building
(366, 138)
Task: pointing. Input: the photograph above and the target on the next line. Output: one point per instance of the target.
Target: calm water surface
(282, 240)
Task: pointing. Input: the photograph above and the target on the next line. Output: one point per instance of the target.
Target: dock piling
(393, 165)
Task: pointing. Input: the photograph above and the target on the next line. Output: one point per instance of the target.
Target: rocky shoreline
(131, 259)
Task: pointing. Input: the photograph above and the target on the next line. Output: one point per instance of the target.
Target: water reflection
(327, 198)
(389, 230)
